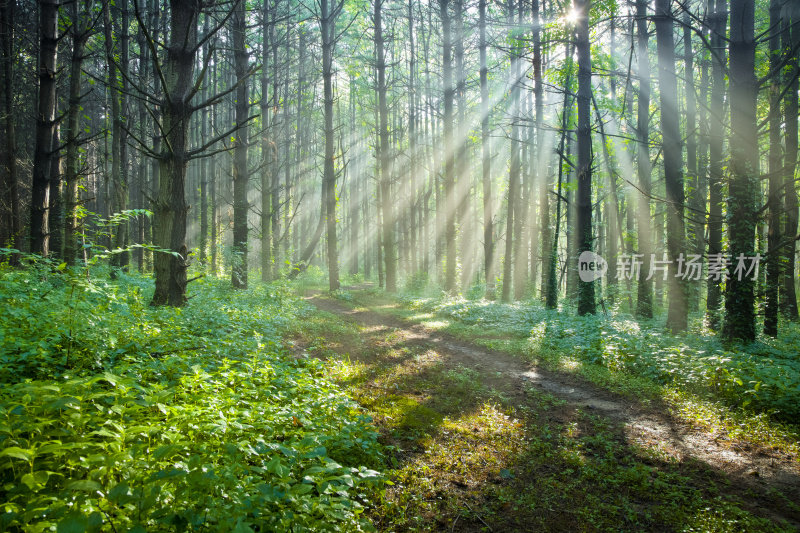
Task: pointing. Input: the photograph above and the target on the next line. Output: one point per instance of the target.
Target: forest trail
(764, 482)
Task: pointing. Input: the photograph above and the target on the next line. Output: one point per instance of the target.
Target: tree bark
(241, 175)
(790, 38)
(644, 302)
(79, 34)
(384, 161)
(673, 175)
(45, 128)
(486, 178)
(10, 214)
(775, 177)
(586, 304)
(328, 27)
(169, 222)
(744, 183)
(715, 157)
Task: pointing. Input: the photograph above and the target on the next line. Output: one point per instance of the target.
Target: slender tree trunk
(486, 160)
(775, 177)
(169, 224)
(79, 35)
(715, 157)
(673, 164)
(328, 27)
(267, 146)
(586, 303)
(115, 179)
(45, 128)
(552, 270)
(241, 176)
(744, 183)
(544, 176)
(790, 38)
(10, 226)
(644, 303)
(274, 167)
(696, 200)
(384, 161)
(514, 168)
(451, 203)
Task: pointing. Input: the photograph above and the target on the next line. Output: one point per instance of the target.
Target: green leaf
(73, 522)
(37, 480)
(85, 485)
(17, 453)
(276, 467)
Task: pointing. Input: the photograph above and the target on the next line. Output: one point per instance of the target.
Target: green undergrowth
(469, 452)
(750, 392)
(118, 416)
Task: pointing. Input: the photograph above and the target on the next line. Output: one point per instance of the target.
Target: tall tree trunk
(328, 27)
(384, 161)
(121, 189)
(775, 176)
(204, 165)
(514, 167)
(267, 145)
(715, 156)
(744, 183)
(115, 179)
(451, 203)
(169, 223)
(551, 300)
(673, 164)
(544, 176)
(79, 35)
(241, 176)
(586, 303)
(696, 200)
(45, 128)
(644, 302)
(275, 186)
(790, 38)
(486, 160)
(10, 214)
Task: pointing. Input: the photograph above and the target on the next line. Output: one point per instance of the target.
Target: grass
(464, 453)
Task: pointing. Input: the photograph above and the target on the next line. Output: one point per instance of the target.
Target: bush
(115, 413)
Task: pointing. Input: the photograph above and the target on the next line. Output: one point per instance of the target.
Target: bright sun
(571, 17)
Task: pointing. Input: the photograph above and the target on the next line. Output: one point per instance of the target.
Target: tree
(644, 301)
(586, 304)
(673, 175)
(45, 128)
(718, 23)
(81, 30)
(384, 159)
(790, 37)
(9, 200)
(241, 175)
(486, 182)
(328, 16)
(451, 202)
(170, 209)
(744, 182)
(775, 177)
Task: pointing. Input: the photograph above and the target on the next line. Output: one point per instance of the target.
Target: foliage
(116, 414)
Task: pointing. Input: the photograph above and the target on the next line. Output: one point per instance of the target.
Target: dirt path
(754, 473)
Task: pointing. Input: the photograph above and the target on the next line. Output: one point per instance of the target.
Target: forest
(399, 265)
